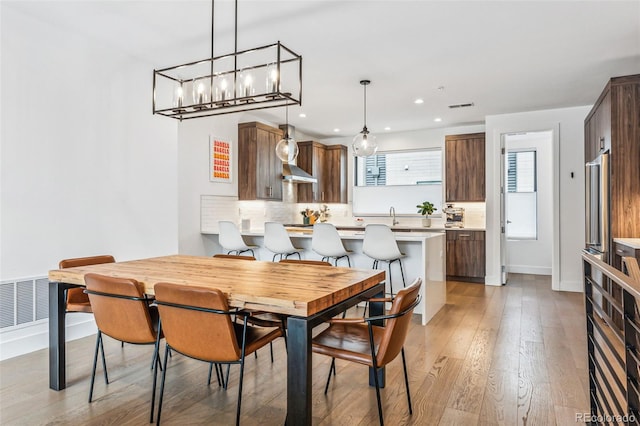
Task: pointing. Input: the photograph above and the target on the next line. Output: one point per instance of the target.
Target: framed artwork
(219, 159)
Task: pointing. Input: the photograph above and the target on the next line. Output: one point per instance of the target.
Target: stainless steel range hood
(291, 172)
(294, 174)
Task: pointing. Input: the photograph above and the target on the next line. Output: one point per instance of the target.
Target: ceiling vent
(470, 104)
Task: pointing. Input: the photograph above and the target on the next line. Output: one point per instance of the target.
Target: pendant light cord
(365, 106)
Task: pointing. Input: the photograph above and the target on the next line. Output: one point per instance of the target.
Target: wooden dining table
(310, 294)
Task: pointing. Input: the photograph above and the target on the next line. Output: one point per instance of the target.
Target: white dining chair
(326, 241)
(231, 240)
(277, 241)
(380, 245)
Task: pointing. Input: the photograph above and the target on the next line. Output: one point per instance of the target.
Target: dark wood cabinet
(465, 167)
(614, 125)
(259, 169)
(466, 255)
(328, 164)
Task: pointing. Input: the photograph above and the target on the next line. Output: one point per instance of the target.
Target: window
(399, 179)
(521, 195)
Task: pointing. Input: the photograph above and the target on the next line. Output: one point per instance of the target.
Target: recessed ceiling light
(418, 101)
(437, 120)
(387, 128)
(336, 130)
(302, 115)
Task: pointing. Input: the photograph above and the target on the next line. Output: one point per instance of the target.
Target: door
(503, 213)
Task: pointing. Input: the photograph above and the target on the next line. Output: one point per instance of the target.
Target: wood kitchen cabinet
(328, 164)
(466, 255)
(259, 168)
(465, 167)
(614, 125)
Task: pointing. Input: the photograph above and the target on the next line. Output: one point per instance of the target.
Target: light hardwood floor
(512, 355)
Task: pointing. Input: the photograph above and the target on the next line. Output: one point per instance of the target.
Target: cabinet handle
(322, 196)
(619, 251)
(601, 142)
(464, 235)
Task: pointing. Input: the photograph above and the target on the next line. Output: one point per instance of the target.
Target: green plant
(426, 208)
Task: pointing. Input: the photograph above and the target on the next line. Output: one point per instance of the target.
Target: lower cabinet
(466, 255)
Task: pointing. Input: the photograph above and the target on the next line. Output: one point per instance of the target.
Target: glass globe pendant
(287, 148)
(364, 143)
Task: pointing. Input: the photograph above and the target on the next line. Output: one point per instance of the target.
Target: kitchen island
(425, 258)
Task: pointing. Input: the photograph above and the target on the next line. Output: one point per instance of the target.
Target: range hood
(291, 172)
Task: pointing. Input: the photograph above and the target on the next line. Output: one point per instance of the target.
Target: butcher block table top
(293, 289)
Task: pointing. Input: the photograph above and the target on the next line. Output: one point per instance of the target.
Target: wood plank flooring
(512, 355)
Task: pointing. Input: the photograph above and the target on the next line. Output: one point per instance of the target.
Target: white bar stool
(327, 243)
(277, 241)
(231, 240)
(380, 245)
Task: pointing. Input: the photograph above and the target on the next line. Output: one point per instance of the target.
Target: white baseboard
(35, 336)
(527, 269)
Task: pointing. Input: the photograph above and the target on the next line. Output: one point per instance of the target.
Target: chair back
(230, 237)
(276, 238)
(120, 308)
(325, 240)
(77, 295)
(380, 243)
(397, 328)
(233, 256)
(200, 334)
(306, 262)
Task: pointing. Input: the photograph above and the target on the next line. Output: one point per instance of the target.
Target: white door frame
(555, 153)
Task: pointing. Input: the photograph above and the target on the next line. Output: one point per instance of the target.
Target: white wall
(570, 137)
(86, 168)
(534, 256)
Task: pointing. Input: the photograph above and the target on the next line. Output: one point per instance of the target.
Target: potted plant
(426, 209)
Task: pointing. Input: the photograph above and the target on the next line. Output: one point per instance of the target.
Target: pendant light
(287, 148)
(364, 143)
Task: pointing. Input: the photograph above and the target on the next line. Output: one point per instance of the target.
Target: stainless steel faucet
(392, 213)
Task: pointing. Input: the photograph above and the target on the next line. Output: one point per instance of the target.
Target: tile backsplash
(214, 208)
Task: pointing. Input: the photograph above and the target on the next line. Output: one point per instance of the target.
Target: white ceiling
(504, 56)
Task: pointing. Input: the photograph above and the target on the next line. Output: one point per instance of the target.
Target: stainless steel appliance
(597, 217)
(597, 206)
(454, 216)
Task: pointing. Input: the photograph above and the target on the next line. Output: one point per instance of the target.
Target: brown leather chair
(191, 316)
(77, 300)
(306, 262)
(233, 256)
(356, 339)
(122, 312)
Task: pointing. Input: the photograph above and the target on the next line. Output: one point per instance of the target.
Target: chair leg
(95, 362)
(239, 391)
(164, 375)
(104, 361)
(375, 379)
(332, 368)
(406, 381)
(390, 281)
(404, 283)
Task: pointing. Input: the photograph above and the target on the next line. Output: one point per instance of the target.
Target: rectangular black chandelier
(264, 77)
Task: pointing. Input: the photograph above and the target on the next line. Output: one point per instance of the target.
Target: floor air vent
(23, 301)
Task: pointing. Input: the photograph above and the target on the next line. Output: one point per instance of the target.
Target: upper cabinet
(465, 167)
(328, 164)
(259, 169)
(614, 124)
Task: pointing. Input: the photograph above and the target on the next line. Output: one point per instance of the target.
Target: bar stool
(380, 245)
(277, 241)
(327, 243)
(231, 240)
